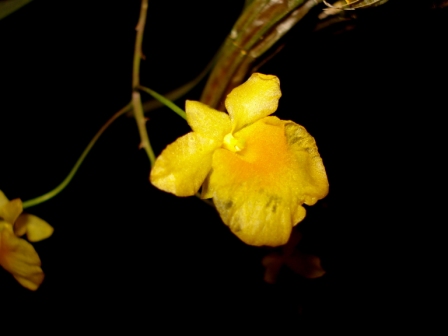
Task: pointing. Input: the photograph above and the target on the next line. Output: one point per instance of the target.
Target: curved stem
(180, 91)
(165, 101)
(60, 187)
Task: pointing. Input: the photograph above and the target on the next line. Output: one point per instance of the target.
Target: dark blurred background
(370, 90)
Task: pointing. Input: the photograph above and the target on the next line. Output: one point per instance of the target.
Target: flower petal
(184, 164)
(310, 176)
(252, 188)
(260, 190)
(3, 199)
(207, 121)
(36, 228)
(255, 99)
(257, 216)
(19, 257)
(11, 210)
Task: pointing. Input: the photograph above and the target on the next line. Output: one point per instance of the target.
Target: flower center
(232, 144)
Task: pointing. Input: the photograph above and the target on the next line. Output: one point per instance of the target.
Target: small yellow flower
(258, 169)
(17, 256)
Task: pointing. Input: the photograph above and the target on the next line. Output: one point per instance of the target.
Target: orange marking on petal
(265, 154)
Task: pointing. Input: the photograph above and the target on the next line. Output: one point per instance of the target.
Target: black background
(371, 92)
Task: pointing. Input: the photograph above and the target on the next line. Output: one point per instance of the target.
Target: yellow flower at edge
(258, 169)
(17, 256)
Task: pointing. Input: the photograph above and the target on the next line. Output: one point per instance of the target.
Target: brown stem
(136, 98)
(262, 23)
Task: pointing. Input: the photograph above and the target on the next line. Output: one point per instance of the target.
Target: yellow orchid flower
(17, 256)
(258, 169)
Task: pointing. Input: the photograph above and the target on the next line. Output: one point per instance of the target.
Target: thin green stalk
(176, 109)
(180, 91)
(60, 187)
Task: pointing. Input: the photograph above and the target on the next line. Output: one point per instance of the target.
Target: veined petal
(18, 257)
(256, 216)
(11, 210)
(36, 228)
(207, 121)
(184, 164)
(252, 189)
(260, 190)
(309, 172)
(255, 99)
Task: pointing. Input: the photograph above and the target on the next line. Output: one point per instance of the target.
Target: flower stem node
(258, 169)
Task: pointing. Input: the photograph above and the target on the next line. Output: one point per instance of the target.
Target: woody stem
(136, 98)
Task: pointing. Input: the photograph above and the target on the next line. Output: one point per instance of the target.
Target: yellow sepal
(10, 211)
(207, 121)
(183, 165)
(253, 100)
(36, 228)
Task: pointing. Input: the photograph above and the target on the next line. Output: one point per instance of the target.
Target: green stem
(180, 91)
(164, 101)
(60, 187)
